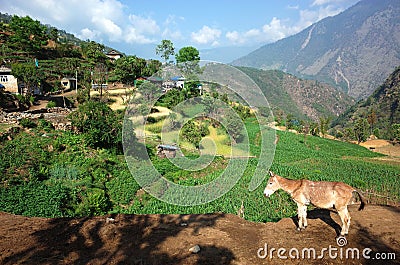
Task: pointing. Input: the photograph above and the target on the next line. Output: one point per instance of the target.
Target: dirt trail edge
(222, 238)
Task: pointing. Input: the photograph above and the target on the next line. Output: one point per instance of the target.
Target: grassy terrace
(60, 176)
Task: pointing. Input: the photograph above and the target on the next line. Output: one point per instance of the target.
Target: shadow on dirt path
(124, 239)
(374, 238)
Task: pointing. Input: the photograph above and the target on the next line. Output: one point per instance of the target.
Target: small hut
(68, 83)
(166, 151)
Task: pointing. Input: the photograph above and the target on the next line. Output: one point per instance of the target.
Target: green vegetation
(61, 175)
(40, 56)
(302, 99)
(101, 127)
(377, 114)
(84, 173)
(165, 49)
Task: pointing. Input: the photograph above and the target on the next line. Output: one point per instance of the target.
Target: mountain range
(382, 108)
(354, 51)
(304, 99)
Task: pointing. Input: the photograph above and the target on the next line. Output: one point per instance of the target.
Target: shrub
(51, 104)
(27, 123)
(45, 125)
(35, 199)
(101, 126)
(94, 203)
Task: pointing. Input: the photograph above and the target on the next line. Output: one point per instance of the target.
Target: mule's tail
(362, 199)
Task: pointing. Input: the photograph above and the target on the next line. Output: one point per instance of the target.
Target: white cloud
(234, 37)
(206, 35)
(275, 30)
(293, 7)
(113, 31)
(108, 20)
(90, 19)
(308, 17)
(87, 34)
(173, 20)
(325, 2)
(144, 25)
(270, 32)
(171, 34)
(141, 30)
(171, 28)
(132, 35)
(252, 33)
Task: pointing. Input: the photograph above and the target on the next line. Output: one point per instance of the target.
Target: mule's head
(272, 185)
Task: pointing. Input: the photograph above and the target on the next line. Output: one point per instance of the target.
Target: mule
(322, 194)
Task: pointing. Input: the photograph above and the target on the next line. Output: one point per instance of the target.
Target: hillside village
(52, 69)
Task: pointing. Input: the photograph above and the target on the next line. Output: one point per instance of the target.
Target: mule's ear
(271, 173)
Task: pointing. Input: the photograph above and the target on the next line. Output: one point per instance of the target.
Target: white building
(8, 80)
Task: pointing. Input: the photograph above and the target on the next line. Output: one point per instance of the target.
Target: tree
(29, 74)
(93, 52)
(28, 34)
(361, 127)
(191, 132)
(187, 54)
(165, 49)
(396, 131)
(149, 91)
(65, 66)
(100, 76)
(174, 123)
(54, 34)
(99, 123)
(152, 67)
(187, 60)
(372, 120)
(128, 68)
(323, 125)
(234, 125)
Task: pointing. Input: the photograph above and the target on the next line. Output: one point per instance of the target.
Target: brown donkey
(322, 194)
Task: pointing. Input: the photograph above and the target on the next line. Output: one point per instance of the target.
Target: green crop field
(58, 175)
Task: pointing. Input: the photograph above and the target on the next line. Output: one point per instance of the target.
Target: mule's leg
(345, 218)
(302, 215)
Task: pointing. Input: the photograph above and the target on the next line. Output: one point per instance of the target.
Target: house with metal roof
(114, 55)
(166, 151)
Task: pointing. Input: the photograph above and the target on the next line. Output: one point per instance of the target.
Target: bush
(51, 104)
(101, 126)
(35, 199)
(27, 123)
(396, 131)
(45, 125)
(94, 203)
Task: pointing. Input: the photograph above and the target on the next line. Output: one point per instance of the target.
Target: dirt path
(384, 147)
(223, 239)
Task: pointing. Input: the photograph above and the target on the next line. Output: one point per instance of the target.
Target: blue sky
(135, 27)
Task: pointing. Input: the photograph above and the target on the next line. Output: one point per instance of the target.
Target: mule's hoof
(341, 241)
